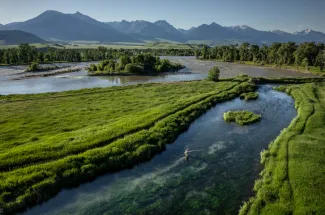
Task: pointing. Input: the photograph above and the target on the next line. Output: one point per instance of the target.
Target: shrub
(214, 74)
(92, 68)
(33, 67)
(132, 68)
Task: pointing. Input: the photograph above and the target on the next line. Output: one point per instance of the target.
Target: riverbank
(312, 69)
(44, 62)
(79, 135)
(49, 72)
(292, 181)
(101, 73)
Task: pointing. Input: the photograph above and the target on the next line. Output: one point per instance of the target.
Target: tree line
(26, 54)
(304, 54)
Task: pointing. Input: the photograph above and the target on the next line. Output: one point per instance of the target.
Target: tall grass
(104, 130)
(292, 181)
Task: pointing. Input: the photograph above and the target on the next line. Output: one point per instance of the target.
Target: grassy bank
(292, 181)
(68, 138)
(249, 96)
(312, 69)
(243, 117)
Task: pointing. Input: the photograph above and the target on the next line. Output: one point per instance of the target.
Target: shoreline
(48, 73)
(141, 74)
(271, 66)
(287, 68)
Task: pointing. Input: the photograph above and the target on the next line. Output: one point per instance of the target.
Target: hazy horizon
(281, 15)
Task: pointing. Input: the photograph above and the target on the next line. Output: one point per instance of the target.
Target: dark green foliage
(134, 64)
(243, 117)
(134, 69)
(33, 67)
(289, 54)
(26, 54)
(103, 130)
(213, 74)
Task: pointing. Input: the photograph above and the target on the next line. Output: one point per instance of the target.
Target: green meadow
(293, 181)
(55, 140)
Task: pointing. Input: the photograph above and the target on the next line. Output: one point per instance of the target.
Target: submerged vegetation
(70, 137)
(292, 181)
(243, 117)
(249, 96)
(137, 64)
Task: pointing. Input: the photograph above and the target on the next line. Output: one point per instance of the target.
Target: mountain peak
(306, 31)
(51, 12)
(78, 13)
(242, 27)
(214, 24)
(162, 21)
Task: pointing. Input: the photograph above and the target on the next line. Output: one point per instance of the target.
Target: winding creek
(195, 70)
(215, 180)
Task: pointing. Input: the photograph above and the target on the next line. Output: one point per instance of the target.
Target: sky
(286, 15)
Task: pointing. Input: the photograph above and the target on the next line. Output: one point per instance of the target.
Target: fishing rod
(197, 150)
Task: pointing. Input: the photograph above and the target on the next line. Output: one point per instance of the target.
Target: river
(215, 180)
(195, 70)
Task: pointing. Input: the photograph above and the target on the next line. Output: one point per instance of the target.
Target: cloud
(300, 26)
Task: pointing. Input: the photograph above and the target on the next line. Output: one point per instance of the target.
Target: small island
(249, 96)
(243, 117)
(141, 64)
(35, 67)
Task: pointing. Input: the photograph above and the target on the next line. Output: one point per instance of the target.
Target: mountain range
(54, 25)
(14, 37)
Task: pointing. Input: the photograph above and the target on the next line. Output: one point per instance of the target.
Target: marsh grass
(292, 181)
(243, 117)
(55, 140)
(249, 96)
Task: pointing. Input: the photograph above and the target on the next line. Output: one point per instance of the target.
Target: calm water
(78, 80)
(215, 179)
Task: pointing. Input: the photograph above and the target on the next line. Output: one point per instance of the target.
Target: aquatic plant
(243, 117)
(249, 96)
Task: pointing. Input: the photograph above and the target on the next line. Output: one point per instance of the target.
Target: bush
(92, 68)
(132, 68)
(33, 67)
(214, 74)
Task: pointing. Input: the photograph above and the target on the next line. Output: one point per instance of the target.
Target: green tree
(204, 52)
(131, 68)
(33, 67)
(214, 74)
(305, 63)
(244, 52)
